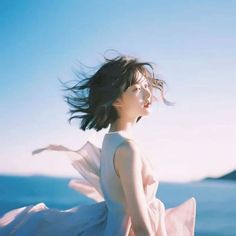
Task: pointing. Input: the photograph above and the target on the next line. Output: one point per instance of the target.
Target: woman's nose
(147, 94)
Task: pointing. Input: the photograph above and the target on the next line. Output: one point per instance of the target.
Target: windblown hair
(91, 97)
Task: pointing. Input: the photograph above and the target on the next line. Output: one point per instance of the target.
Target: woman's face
(136, 100)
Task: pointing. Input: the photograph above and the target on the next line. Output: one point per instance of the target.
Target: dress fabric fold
(107, 216)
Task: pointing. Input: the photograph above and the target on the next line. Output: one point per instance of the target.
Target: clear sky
(192, 43)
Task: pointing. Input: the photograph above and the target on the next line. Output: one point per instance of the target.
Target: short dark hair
(91, 97)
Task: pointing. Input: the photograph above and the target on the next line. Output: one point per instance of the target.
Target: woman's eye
(149, 86)
(136, 88)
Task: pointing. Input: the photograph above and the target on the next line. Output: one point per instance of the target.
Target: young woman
(117, 176)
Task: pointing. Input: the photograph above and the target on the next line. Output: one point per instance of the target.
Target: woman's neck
(121, 125)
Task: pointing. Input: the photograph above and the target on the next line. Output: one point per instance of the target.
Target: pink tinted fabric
(108, 215)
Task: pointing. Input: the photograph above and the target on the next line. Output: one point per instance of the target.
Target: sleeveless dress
(108, 215)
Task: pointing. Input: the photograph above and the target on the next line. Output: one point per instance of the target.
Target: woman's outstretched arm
(128, 164)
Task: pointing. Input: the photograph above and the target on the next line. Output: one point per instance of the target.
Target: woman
(117, 176)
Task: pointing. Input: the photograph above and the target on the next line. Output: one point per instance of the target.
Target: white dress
(106, 217)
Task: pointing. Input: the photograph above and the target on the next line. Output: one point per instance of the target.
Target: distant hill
(229, 176)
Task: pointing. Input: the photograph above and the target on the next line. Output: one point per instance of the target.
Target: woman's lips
(147, 105)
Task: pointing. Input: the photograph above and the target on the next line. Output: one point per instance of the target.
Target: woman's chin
(147, 112)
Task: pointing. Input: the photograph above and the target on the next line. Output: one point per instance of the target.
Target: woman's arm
(128, 164)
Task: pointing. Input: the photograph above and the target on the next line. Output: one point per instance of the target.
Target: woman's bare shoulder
(128, 151)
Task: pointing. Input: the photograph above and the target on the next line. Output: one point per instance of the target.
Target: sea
(216, 199)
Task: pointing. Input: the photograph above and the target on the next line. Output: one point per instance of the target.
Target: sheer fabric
(106, 217)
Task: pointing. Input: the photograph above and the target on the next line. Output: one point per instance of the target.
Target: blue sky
(192, 43)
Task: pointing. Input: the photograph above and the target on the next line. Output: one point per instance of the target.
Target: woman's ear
(117, 103)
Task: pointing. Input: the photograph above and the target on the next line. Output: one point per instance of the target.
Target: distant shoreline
(231, 176)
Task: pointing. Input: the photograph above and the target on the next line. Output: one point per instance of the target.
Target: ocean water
(216, 200)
